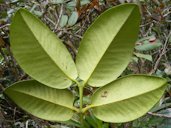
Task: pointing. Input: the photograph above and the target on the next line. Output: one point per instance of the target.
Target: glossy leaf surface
(107, 46)
(39, 52)
(127, 98)
(42, 101)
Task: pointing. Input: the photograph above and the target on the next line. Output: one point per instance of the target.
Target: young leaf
(39, 52)
(42, 101)
(127, 98)
(107, 46)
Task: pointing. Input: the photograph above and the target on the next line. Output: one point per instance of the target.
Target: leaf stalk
(81, 103)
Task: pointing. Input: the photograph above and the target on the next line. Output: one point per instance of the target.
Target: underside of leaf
(42, 101)
(127, 98)
(106, 47)
(39, 52)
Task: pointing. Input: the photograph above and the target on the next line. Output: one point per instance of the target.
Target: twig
(78, 4)
(149, 29)
(69, 43)
(161, 54)
(27, 123)
(5, 25)
(51, 21)
(159, 115)
(10, 108)
(143, 25)
(59, 18)
(75, 35)
(17, 72)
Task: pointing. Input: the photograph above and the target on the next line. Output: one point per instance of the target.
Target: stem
(81, 104)
(81, 87)
(78, 5)
(86, 108)
(76, 109)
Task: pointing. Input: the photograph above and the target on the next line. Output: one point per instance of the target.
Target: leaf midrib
(44, 100)
(129, 97)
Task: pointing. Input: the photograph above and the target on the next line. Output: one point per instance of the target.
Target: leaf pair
(104, 53)
(106, 45)
(46, 59)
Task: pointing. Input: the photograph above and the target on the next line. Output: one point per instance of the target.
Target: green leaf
(127, 98)
(73, 18)
(72, 123)
(73, 3)
(1, 1)
(39, 52)
(90, 121)
(144, 56)
(38, 13)
(106, 47)
(148, 47)
(63, 21)
(84, 2)
(42, 101)
(57, 1)
(148, 43)
(106, 125)
(164, 123)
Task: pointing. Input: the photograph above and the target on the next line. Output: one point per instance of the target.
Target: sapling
(105, 51)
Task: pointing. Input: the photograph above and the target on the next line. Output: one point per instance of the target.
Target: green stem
(81, 103)
(76, 109)
(87, 108)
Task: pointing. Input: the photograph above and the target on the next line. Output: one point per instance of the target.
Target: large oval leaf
(39, 52)
(42, 101)
(127, 98)
(107, 46)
